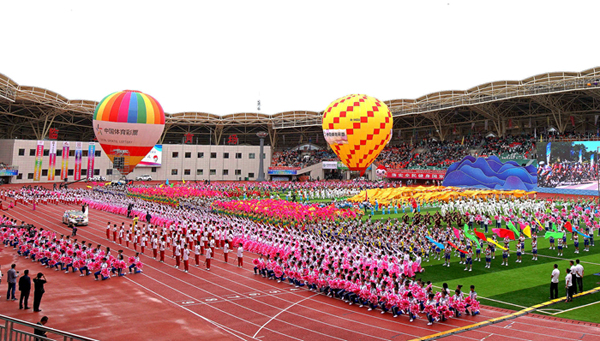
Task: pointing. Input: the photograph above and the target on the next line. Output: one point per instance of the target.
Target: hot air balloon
(357, 127)
(128, 124)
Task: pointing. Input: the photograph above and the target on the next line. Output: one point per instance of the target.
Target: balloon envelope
(357, 127)
(130, 121)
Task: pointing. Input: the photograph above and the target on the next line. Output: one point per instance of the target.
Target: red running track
(225, 303)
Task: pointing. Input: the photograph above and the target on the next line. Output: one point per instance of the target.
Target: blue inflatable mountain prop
(490, 173)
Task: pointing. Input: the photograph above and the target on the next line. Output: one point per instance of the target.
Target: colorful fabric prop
(503, 233)
(513, 228)
(456, 232)
(553, 235)
(456, 247)
(469, 235)
(439, 245)
(480, 235)
(490, 240)
(581, 234)
(568, 226)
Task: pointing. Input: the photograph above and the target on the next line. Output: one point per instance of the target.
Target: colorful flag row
(39, 153)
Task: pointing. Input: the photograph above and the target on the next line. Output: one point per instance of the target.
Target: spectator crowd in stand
(301, 158)
(429, 153)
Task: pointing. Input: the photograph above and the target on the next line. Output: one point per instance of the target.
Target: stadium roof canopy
(563, 100)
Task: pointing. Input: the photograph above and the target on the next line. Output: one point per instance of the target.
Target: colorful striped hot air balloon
(128, 121)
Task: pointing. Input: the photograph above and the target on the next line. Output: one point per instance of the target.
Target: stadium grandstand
(561, 102)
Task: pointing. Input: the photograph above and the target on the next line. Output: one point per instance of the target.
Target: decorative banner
(91, 157)
(330, 165)
(39, 152)
(52, 160)
(548, 151)
(65, 161)
(335, 136)
(592, 160)
(77, 171)
(153, 158)
(415, 174)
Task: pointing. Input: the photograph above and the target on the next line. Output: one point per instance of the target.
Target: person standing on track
(225, 251)
(554, 282)
(25, 289)
(108, 231)
(154, 247)
(39, 291)
(12, 275)
(114, 233)
(240, 255)
(186, 258)
(208, 258)
(197, 254)
(177, 254)
(163, 247)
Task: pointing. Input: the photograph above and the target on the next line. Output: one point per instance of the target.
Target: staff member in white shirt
(240, 255)
(573, 276)
(579, 269)
(569, 285)
(554, 282)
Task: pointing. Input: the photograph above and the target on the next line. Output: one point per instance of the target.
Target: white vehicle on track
(97, 178)
(75, 217)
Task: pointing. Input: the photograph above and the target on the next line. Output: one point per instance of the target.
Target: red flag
(480, 235)
(456, 247)
(503, 233)
(568, 226)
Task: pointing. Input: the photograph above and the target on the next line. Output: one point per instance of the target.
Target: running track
(228, 302)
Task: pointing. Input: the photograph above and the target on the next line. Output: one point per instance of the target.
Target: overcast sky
(218, 56)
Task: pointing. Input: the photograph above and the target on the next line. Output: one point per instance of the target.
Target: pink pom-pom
(139, 265)
(105, 272)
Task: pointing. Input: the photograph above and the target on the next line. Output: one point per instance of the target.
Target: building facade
(179, 162)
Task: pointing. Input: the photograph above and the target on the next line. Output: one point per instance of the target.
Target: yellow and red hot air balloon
(357, 127)
(130, 121)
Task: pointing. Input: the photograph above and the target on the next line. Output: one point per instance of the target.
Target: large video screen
(570, 165)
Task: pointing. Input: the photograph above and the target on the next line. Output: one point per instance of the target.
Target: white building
(179, 162)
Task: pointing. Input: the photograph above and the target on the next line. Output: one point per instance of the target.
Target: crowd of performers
(65, 254)
(574, 219)
(375, 264)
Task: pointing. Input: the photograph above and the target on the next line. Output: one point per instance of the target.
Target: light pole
(598, 172)
(261, 170)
